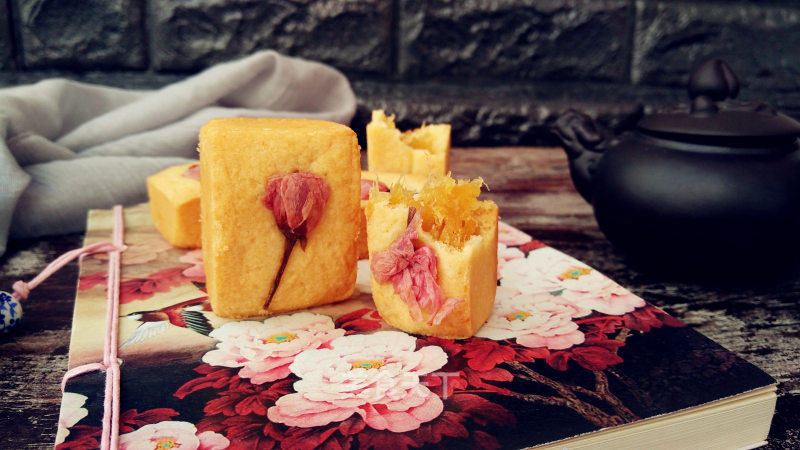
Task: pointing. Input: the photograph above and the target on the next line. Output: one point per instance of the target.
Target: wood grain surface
(757, 319)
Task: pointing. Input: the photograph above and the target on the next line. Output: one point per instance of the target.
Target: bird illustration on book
(186, 314)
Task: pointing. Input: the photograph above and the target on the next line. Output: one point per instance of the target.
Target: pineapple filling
(413, 138)
(447, 207)
(416, 140)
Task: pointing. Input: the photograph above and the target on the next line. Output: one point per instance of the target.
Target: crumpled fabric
(67, 147)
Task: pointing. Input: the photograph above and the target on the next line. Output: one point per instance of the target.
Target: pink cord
(23, 289)
(110, 437)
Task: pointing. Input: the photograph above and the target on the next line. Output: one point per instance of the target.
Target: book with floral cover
(568, 358)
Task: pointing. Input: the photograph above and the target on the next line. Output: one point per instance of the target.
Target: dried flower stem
(291, 239)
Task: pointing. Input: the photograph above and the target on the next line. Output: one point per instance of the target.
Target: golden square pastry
(466, 264)
(175, 204)
(243, 246)
(423, 151)
(410, 181)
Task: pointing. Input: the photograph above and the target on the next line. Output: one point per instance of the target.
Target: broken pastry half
(433, 257)
(280, 214)
(174, 195)
(424, 151)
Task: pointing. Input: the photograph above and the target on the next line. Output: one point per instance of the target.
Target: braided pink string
(110, 436)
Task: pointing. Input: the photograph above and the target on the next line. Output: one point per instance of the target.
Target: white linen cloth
(67, 147)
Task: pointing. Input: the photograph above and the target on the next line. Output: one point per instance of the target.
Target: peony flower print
(196, 272)
(508, 235)
(506, 253)
(139, 252)
(145, 287)
(376, 376)
(172, 435)
(598, 292)
(72, 411)
(265, 349)
(547, 270)
(534, 320)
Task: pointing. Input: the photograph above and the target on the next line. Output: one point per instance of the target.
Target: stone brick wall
(498, 70)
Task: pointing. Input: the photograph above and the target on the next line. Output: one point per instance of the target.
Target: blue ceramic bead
(10, 311)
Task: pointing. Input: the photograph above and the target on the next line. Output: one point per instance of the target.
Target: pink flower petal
(367, 185)
(297, 200)
(412, 273)
(193, 172)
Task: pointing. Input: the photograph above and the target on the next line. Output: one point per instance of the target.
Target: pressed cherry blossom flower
(265, 349)
(72, 411)
(172, 435)
(534, 320)
(366, 185)
(376, 376)
(197, 271)
(297, 200)
(192, 172)
(412, 272)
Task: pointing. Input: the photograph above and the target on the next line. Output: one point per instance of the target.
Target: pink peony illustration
(534, 320)
(506, 253)
(139, 252)
(170, 435)
(196, 272)
(508, 235)
(72, 411)
(547, 270)
(598, 292)
(265, 349)
(376, 376)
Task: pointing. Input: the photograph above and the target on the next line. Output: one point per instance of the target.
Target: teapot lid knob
(714, 80)
(716, 119)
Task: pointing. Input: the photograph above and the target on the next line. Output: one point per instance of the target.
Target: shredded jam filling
(446, 207)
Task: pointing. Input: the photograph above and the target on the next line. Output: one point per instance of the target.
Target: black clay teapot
(710, 186)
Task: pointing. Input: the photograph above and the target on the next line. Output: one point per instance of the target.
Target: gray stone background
(497, 70)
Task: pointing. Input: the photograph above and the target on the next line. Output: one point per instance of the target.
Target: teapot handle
(584, 143)
(578, 133)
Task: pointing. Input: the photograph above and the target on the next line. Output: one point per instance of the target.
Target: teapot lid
(715, 118)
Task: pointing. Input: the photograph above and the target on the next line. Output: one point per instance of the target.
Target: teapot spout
(584, 143)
